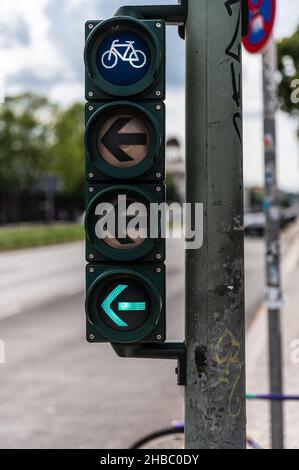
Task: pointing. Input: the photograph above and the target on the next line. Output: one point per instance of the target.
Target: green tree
(25, 141)
(68, 155)
(288, 65)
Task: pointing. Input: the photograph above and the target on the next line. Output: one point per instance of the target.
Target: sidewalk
(258, 418)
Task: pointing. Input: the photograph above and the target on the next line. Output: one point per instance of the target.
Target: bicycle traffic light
(125, 57)
(125, 170)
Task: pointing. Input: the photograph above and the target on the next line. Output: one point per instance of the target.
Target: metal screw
(158, 189)
(90, 175)
(159, 337)
(91, 270)
(91, 108)
(91, 256)
(91, 189)
(158, 270)
(158, 93)
(90, 93)
(158, 107)
(158, 175)
(91, 337)
(158, 25)
(90, 25)
(158, 256)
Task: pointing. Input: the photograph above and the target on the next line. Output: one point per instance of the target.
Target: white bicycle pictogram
(136, 57)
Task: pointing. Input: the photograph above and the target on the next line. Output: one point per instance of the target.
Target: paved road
(59, 391)
(31, 278)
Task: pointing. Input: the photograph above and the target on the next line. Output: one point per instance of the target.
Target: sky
(41, 47)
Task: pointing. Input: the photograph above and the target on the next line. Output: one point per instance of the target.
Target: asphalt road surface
(58, 391)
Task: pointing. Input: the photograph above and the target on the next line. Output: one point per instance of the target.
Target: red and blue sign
(262, 15)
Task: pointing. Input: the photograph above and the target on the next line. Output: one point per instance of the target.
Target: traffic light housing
(125, 304)
(114, 125)
(125, 171)
(114, 69)
(102, 245)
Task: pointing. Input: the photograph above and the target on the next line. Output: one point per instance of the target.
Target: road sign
(262, 15)
(125, 57)
(125, 170)
(125, 304)
(124, 140)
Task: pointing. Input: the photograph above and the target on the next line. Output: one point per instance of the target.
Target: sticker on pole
(261, 22)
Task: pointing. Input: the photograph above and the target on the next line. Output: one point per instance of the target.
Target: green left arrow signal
(131, 306)
(122, 306)
(106, 306)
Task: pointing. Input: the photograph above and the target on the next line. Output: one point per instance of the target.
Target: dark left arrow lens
(124, 140)
(125, 143)
(118, 223)
(126, 238)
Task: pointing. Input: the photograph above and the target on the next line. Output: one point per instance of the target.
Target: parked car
(254, 224)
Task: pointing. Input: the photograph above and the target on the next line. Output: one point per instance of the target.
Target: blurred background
(57, 390)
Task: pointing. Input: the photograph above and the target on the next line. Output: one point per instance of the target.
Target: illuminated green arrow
(106, 306)
(131, 306)
(122, 306)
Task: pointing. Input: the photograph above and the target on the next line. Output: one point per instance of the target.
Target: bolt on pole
(272, 210)
(215, 322)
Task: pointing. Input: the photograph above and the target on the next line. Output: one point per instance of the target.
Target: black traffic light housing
(105, 320)
(125, 156)
(98, 250)
(146, 91)
(151, 85)
(151, 114)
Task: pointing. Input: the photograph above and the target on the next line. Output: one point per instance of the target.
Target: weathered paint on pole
(215, 331)
(272, 210)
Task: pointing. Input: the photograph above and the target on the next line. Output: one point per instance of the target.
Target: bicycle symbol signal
(135, 57)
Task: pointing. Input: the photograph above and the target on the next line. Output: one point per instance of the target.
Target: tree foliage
(67, 150)
(25, 141)
(38, 138)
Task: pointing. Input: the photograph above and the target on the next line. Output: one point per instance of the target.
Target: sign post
(260, 39)
(215, 318)
(273, 217)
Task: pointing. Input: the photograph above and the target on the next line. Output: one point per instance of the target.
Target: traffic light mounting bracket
(171, 14)
(175, 14)
(156, 351)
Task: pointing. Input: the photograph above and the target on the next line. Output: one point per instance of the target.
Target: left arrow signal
(113, 139)
(106, 306)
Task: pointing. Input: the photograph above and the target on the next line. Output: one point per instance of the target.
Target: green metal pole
(215, 323)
